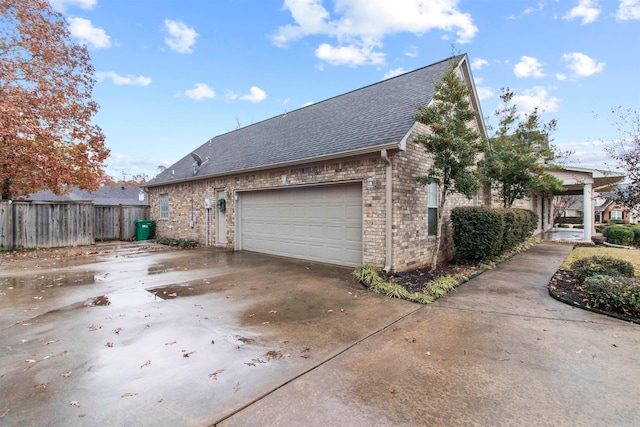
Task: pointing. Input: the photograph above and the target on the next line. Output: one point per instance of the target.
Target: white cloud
(86, 33)
(200, 91)
(537, 96)
(117, 164)
(484, 93)
(561, 77)
(127, 80)
(582, 65)
(393, 73)
(628, 10)
(528, 67)
(359, 26)
(478, 63)
(349, 55)
(255, 95)
(587, 10)
(82, 4)
(411, 51)
(530, 10)
(306, 104)
(181, 38)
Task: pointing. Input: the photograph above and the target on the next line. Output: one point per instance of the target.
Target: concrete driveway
(244, 339)
(189, 338)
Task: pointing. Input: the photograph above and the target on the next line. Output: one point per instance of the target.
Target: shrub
(563, 226)
(600, 228)
(619, 235)
(636, 235)
(601, 265)
(579, 226)
(181, 243)
(477, 233)
(618, 293)
(519, 224)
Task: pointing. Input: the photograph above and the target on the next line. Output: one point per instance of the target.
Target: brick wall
(413, 246)
(186, 200)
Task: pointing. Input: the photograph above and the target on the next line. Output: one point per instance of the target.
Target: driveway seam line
(313, 368)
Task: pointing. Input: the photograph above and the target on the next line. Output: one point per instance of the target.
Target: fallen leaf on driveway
(170, 343)
(75, 403)
(66, 374)
(273, 311)
(94, 328)
(214, 375)
(51, 342)
(237, 387)
(109, 344)
(128, 394)
(188, 354)
(30, 361)
(147, 363)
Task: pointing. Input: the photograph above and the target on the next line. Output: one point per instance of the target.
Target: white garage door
(316, 223)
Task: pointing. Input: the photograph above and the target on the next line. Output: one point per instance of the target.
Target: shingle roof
(376, 115)
(111, 195)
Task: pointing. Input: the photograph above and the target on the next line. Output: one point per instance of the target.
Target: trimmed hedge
(636, 235)
(480, 233)
(619, 235)
(181, 243)
(597, 265)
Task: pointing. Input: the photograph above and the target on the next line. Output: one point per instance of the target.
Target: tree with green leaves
(453, 142)
(519, 155)
(625, 151)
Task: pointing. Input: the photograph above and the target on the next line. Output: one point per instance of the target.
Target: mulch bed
(565, 287)
(416, 280)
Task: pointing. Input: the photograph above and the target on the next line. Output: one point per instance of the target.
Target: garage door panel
(315, 223)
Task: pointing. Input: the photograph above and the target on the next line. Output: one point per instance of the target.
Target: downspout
(389, 212)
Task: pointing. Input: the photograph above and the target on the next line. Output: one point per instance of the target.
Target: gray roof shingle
(111, 195)
(375, 115)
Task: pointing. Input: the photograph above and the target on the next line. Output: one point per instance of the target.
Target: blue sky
(173, 74)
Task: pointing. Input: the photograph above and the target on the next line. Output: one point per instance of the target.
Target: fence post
(6, 226)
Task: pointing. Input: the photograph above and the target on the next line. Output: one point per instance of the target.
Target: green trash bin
(144, 229)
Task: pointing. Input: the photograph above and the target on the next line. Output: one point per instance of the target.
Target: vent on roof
(197, 162)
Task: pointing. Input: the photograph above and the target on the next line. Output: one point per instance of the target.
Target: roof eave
(334, 156)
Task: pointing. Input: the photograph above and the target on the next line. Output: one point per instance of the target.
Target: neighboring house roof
(111, 195)
(367, 119)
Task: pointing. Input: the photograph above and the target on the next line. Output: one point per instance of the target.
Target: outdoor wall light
(371, 183)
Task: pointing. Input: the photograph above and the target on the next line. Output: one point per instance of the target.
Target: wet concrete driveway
(189, 337)
(236, 339)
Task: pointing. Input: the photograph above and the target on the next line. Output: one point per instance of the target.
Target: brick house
(331, 182)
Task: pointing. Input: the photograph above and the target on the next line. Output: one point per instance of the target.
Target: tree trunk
(434, 257)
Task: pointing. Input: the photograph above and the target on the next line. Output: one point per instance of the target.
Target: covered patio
(585, 182)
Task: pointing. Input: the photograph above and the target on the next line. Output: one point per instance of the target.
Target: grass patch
(631, 255)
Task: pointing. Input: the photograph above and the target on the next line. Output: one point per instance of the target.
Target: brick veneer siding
(186, 200)
(412, 246)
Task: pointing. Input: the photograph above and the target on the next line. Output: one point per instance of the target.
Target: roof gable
(370, 118)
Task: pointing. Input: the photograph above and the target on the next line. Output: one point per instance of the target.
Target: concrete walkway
(498, 351)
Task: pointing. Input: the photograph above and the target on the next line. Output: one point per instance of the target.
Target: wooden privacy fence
(117, 222)
(32, 225)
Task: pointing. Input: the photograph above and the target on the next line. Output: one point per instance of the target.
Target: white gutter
(389, 213)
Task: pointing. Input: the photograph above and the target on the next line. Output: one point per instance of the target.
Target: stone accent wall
(186, 200)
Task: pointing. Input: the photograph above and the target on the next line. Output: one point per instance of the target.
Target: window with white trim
(615, 215)
(432, 209)
(164, 206)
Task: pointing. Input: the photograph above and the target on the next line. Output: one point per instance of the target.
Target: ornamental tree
(519, 154)
(453, 142)
(47, 140)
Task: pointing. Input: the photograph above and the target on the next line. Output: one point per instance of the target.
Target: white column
(587, 203)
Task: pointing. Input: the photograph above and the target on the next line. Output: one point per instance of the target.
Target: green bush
(601, 265)
(618, 293)
(477, 233)
(616, 221)
(181, 243)
(519, 224)
(600, 228)
(636, 234)
(563, 226)
(480, 233)
(619, 235)
(579, 226)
